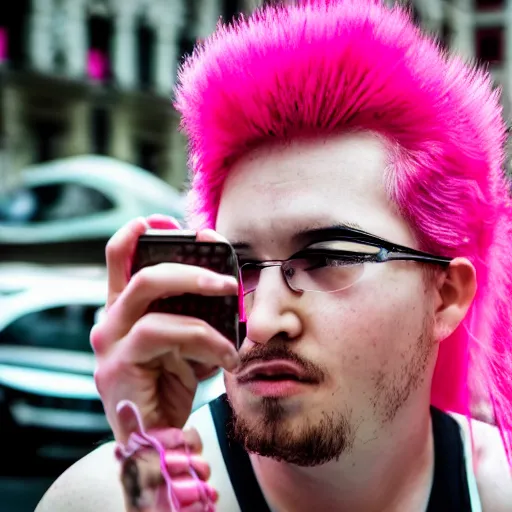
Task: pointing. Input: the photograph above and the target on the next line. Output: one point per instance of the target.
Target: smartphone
(178, 246)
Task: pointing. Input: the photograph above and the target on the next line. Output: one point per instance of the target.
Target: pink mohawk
(332, 66)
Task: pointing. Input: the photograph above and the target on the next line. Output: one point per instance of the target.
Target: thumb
(128, 419)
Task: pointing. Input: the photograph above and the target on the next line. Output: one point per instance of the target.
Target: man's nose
(272, 309)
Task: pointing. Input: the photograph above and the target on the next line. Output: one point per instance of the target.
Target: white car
(78, 199)
(19, 277)
(47, 390)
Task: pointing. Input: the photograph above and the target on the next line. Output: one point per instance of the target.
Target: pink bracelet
(141, 440)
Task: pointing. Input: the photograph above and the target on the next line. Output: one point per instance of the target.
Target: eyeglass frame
(389, 251)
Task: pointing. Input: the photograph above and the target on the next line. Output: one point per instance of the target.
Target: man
(358, 171)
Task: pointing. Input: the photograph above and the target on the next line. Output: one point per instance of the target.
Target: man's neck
(390, 473)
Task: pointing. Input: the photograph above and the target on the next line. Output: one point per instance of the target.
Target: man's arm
(493, 473)
(90, 485)
(93, 484)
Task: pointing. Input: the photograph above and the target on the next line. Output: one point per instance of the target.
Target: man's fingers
(119, 253)
(209, 235)
(158, 282)
(190, 492)
(173, 439)
(121, 248)
(193, 440)
(159, 334)
(180, 464)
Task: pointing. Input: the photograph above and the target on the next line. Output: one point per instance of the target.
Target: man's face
(368, 348)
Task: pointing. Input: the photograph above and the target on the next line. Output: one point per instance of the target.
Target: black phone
(179, 246)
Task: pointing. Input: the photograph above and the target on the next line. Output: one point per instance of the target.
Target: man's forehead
(306, 185)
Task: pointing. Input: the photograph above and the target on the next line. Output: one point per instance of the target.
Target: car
(65, 211)
(18, 277)
(48, 398)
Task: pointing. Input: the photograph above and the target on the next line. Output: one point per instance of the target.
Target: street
(22, 494)
(23, 483)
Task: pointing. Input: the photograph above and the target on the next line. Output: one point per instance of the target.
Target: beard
(275, 431)
(308, 445)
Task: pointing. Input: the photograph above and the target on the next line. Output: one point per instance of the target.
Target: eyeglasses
(335, 264)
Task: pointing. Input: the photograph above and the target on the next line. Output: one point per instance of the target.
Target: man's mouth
(274, 371)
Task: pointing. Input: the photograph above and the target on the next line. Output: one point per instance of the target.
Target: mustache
(271, 352)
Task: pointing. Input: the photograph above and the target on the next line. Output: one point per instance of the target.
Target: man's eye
(315, 263)
(345, 246)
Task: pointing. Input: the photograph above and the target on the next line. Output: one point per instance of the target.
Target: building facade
(479, 30)
(96, 76)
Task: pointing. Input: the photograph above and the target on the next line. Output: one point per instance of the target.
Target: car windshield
(18, 206)
(64, 327)
(51, 203)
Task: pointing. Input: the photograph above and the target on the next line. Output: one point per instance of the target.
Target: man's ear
(455, 291)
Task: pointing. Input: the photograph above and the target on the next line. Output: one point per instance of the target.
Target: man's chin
(288, 432)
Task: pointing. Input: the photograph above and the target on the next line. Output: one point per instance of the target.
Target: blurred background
(89, 140)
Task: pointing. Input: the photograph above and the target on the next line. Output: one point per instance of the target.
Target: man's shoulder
(93, 484)
(89, 485)
(492, 470)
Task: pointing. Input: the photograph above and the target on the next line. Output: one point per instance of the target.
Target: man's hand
(155, 360)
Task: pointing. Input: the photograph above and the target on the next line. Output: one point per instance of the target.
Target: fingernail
(159, 221)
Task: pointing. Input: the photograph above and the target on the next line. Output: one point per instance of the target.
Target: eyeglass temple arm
(423, 257)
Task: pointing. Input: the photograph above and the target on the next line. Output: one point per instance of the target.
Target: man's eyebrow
(311, 234)
(325, 232)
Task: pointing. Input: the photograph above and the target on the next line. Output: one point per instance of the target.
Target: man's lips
(274, 371)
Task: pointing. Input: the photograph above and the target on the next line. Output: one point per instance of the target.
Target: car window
(52, 202)
(65, 327)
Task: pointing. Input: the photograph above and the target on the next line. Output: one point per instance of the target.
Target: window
(47, 138)
(100, 127)
(3, 44)
(187, 37)
(415, 14)
(445, 35)
(48, 203)
(230, 9)
(65, 327)
(483, 5)
(146, 54)
(186, 45)
(489, 44)
(14, 23)
(149, 156)
(99, 54)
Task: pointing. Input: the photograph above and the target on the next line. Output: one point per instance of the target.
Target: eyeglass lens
(312, 273)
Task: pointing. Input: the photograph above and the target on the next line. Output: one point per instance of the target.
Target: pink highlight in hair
(97, 65)
(329, 66)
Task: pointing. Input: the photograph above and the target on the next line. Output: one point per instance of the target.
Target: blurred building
(96, 76)
(479, 30)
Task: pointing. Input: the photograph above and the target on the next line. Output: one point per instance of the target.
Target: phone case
(222, 313)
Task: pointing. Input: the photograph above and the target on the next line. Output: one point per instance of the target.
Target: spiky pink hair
(328, 66)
